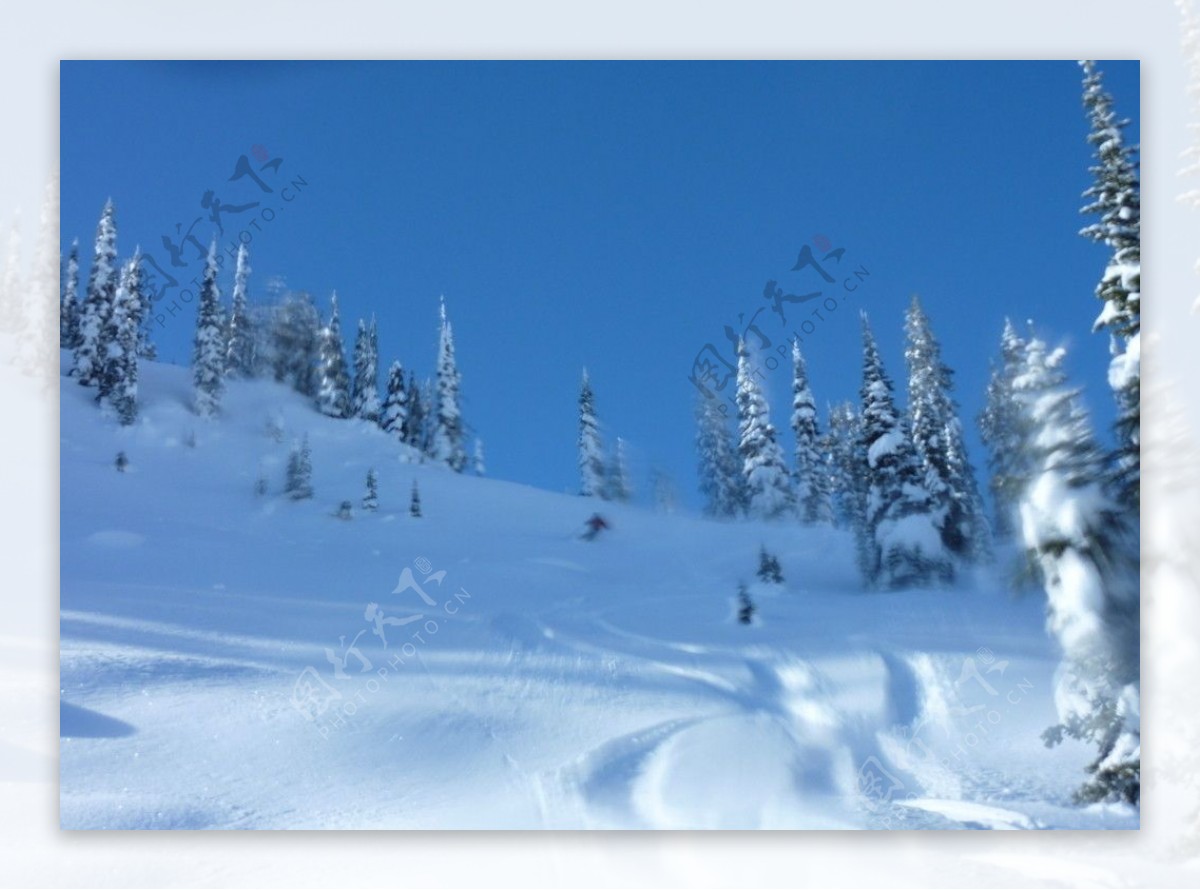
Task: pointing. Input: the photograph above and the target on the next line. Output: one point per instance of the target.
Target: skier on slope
(594, 526)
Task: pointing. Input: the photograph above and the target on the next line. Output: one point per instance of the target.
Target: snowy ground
(553, 683)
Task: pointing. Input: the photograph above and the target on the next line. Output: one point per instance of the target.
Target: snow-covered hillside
(529, 679)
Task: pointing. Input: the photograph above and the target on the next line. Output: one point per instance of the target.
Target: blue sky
(614, 215)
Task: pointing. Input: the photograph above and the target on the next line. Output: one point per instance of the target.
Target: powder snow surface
(552, 682)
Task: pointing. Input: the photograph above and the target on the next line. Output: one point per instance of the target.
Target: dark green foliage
(209, 346)
(370, 501)
(333, 377)
(769, 570)
(746, 609)
(298, 485)
(720, 468)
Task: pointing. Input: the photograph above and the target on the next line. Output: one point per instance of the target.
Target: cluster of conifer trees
(285, 339)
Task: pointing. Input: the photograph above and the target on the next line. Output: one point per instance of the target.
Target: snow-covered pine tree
(1085, 547)
(720, 467)
(125, 309)
(448, 433)
(937, 439)
(764, 471)
(239, 356)
(769, 570)
(68, 319)
(120, 376)
(394, 418)
(418, 413)
(968, 500)
(812, 488)
(97, 305)
(592, 476)
(413, 430)
(414, 503)
(333, 387)
(428, 417)
(295, 343)
(370, 501)
(208, 353)
(365, 396)
(617, 476)
(146, 348)
(901, 542)
(846, 466)
(1000, 430)
(477, 462)
(264, 324)
(1115, 196)
(298, 485)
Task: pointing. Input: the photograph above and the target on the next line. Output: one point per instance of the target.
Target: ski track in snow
(576, 685)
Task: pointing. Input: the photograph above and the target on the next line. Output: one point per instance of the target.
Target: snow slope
(552, 683)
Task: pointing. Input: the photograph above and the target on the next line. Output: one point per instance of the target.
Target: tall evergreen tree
(120, 376)
(294, 347)
(720, 467)
(1115, 197)
(764, 471)
(428, 417)
(448, 434)
(1000, 430)
(901, 544)
(394, 419)
(365, 396)
(812, 490)
(847, 466)
(209, 347)
(592, 477)
(938, 440)
(1085, 547)
(239, 357)
(619, 487)
(97, 305)
(146, 348)
(333, 389)
(413, 430)
(68, 324)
